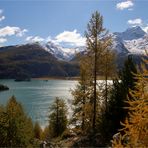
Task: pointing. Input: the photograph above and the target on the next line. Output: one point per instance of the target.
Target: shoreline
(63, 78)
(67, 78)
(56, 78)
(46, 78)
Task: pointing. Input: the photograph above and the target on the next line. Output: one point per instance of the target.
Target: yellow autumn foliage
(135, 127)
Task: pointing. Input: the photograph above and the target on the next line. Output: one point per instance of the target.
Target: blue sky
(64, 21)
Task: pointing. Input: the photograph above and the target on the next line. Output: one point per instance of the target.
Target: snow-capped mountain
(134, 40)
(34, 60)
(131, 33)
(60, 52)
(118, 45)
(137, 45)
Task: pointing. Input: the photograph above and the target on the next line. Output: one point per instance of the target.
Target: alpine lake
(37, 95)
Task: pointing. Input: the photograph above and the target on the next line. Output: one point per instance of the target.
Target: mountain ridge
(38, 60)
(133, 40)
(33, 61)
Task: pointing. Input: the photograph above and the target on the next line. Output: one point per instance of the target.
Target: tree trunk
(106, 91)
(106, 85)
(83, 114)
(95, 83)
(57, 118)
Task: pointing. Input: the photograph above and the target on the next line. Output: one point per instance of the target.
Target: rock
(3, 87)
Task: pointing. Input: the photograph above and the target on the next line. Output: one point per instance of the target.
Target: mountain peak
(136, 29)
(131, 33)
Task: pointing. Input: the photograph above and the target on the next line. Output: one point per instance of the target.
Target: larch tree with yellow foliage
(82, 96)
(135, 127)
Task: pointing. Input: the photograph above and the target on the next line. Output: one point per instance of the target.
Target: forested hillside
(32, 60)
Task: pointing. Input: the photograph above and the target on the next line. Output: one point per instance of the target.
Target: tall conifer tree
(16, 128)
(97, 40)
(120, 90)
(58, 117)
(82, 92)
(135, 127)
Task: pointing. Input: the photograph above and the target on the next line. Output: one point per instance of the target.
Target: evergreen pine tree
(97, 41)
(16, 128)
(108, 71)
(81, 102)
(37, 131)
(118, 95)
(45, 133)
(58, 117)
(3, 126)
(135, 127)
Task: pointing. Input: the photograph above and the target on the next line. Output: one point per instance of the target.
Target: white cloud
(34, 39)
(20, 32)
(138, 22)
(66, 38)
(2, 17)
(9, 31)
(135, 22)
(49, 39)
(2, 40)
(72, 38)
(125, 5)
(29, 38)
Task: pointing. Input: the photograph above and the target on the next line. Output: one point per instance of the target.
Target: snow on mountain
(60, 52)
(134, 40)
(118, 45)
(137, 45)
(131, 33)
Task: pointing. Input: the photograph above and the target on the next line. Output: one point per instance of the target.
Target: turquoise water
(37, 95)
